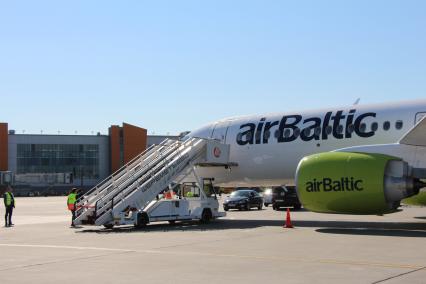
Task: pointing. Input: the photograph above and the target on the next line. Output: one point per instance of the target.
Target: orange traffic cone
(288, 220)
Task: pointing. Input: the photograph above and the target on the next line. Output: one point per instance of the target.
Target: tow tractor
(142, 191)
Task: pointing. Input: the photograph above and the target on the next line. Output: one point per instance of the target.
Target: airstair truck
(132, 194)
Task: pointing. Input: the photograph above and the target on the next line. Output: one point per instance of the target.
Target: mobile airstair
(131, 195)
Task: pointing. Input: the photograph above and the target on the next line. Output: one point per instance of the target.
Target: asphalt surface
(244, 247)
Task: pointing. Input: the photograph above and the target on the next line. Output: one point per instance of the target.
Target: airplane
(358, 159)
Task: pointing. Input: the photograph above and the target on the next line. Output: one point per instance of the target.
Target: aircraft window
(287, 133)
(386, 125)
(267, 134)
(362, 127)
(374, 126)
(317, 131)
(296, 132)
(399, 124)
(351, 128)
(277, 133)
(258, 135)
(307, 131)
(340, 129)
(329, 130)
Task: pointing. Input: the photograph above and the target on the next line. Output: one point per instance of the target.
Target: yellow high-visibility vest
(72, 198)
(9, 198)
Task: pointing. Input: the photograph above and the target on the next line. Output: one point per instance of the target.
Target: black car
(243, 200)
(285, 197)
(257, 189)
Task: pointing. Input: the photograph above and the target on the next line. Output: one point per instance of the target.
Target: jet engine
(354, 183)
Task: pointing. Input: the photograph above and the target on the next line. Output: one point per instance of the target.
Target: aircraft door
(221, 130)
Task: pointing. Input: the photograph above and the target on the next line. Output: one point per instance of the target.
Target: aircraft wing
(417, 135)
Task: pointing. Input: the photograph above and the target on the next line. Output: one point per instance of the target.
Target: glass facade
(79, 159)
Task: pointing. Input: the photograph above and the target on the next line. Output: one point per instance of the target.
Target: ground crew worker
(71, 203)
(9, 203)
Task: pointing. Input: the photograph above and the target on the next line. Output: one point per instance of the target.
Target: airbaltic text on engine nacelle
(328, 184)
(261, 133)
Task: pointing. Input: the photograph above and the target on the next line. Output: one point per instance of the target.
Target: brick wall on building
(126, 142)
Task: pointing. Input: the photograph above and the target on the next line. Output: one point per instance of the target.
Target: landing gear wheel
(109, 226)
(206, 216)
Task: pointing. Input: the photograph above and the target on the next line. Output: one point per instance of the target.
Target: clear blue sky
(171, 66)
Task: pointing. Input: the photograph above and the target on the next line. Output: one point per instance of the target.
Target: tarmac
(244, 247)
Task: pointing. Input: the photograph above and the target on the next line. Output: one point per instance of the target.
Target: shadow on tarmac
(411, 229)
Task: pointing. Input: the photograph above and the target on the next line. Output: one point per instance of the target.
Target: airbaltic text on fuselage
(328, 184)
(339, 124)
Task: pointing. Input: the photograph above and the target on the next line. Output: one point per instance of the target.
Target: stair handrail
(157, 161)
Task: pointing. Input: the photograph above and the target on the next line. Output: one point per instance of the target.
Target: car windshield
(240, 193)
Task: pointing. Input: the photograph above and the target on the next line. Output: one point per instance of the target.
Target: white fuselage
(268, 148)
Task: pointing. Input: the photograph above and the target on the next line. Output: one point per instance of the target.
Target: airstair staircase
(140, 181)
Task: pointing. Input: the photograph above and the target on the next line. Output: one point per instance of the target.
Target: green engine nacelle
(352, 183)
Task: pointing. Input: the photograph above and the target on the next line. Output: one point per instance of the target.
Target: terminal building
(52, 164)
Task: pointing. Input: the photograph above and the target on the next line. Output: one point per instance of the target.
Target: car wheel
(266, 204)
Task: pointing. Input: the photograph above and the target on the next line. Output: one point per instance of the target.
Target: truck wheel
(206, 216)
(109, 226)
(142, 220)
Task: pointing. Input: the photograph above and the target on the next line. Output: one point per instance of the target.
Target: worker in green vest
(71, 203)
(9, 203)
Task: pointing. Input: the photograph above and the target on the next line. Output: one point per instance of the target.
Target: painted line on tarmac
(66, 247)
(399, 275)
(253, 257)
